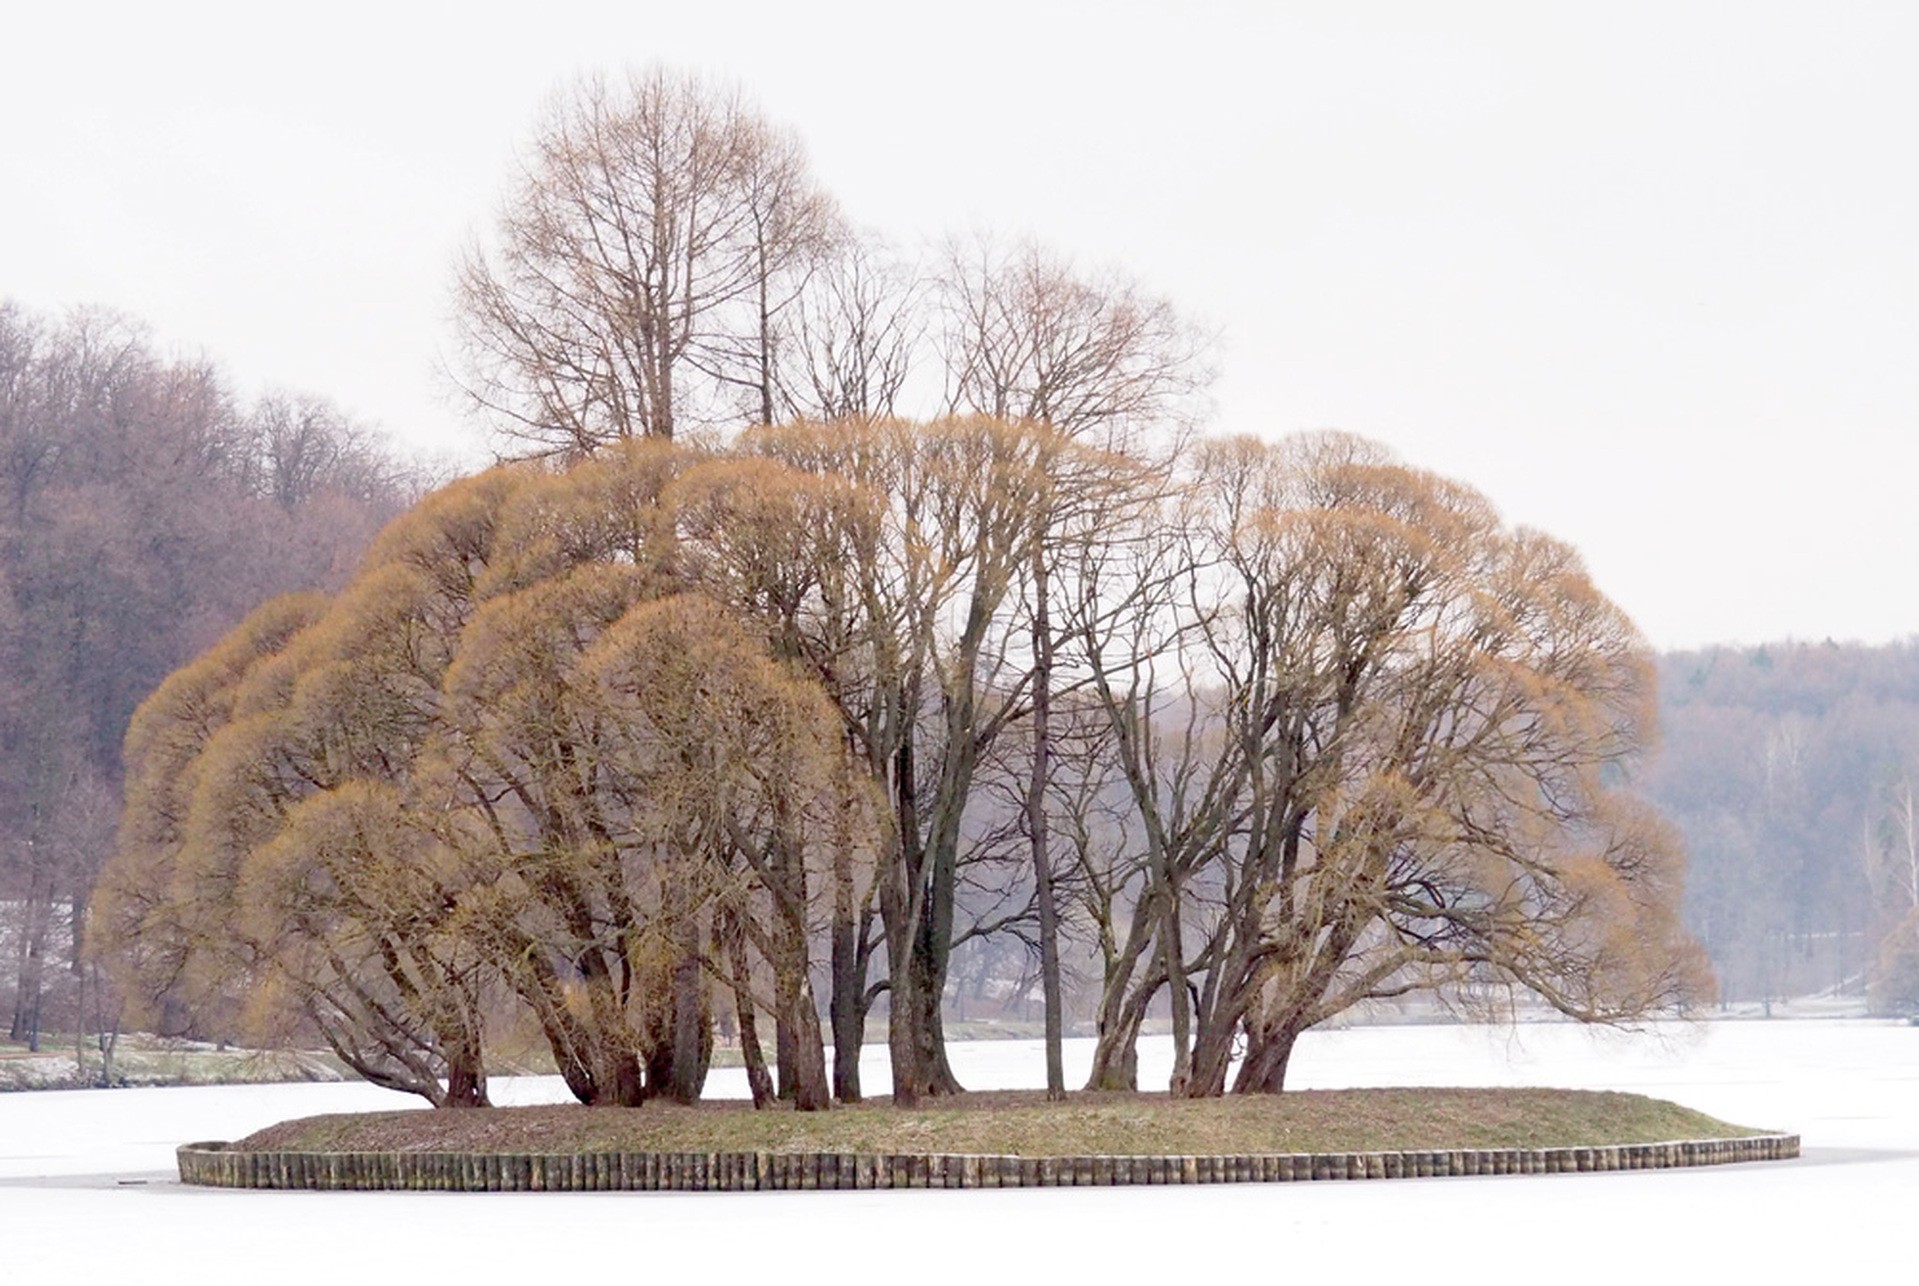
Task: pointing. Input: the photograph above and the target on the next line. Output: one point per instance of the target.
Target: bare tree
(1027, 336)
(634, 278)
(304, 447)
(1406, 773)
(1893, 863)
(851, 342)
(134, 529)
(1895, 866)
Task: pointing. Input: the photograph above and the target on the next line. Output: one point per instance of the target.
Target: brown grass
(1025, 1124)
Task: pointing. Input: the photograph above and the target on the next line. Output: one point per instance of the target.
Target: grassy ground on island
(1025, 1124)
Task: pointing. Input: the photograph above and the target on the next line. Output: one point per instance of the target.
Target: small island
(994, 1140)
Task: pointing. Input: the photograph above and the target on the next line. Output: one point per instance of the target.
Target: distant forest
(1790, 769)
(145, 508)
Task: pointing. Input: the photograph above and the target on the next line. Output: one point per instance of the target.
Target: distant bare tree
(1026, 336)
(1896, 865)
(853, 337)
(304, 447)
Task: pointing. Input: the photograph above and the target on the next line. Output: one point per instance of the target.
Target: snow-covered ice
(87, 1186)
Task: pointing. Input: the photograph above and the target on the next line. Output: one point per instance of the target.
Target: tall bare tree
(633, 281)
(1027, 337)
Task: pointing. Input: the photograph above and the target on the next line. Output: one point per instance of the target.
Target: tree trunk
(758, 1079)
(106, 1021)
(1217, 1022)
(899, 890)
(1116, 1053)
(810, 1091)
(1212, 1056)
(1036, 829)
(917, 906)
(785, 1050)
(797, 1040)
(1264, 1070)
(765, 355)
(1172, 960)
(465, 1073)
(660, 409)
(929, 968)
(932, 955)
(848, 1003)
(902, 1011)
(36, 912)
(1122, 1006)
(617, 1077)
(566, 1036)
(692, 1025)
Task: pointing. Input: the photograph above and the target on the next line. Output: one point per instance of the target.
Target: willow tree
(333, 913)
(1393, 757)
(155, 925)
(519, 757)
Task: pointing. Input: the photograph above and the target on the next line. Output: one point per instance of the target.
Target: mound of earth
(1024, 1123)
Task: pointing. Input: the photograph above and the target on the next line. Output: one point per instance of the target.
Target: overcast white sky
(1646, 274)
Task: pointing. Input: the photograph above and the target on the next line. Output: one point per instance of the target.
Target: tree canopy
(678, 732)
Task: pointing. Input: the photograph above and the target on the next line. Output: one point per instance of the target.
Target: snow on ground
(87, 1187)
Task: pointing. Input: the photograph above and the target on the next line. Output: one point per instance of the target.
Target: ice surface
(87, 1187)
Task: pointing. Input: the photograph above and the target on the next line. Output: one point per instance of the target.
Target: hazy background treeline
(144, 508)
(1790, 770)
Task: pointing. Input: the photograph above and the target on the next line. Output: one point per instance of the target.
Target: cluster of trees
(677, 720)
(1274, 728)
(1790, 771)
(654, 726)
(143, 511)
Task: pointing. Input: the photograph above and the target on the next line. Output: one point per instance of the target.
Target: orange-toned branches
(360, 918)
(1422, 722)
(729, 770)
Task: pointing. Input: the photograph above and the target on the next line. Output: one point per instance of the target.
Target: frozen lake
(87, 1186)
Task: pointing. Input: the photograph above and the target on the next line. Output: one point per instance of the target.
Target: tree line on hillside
(1790, 769)
(143, 511)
